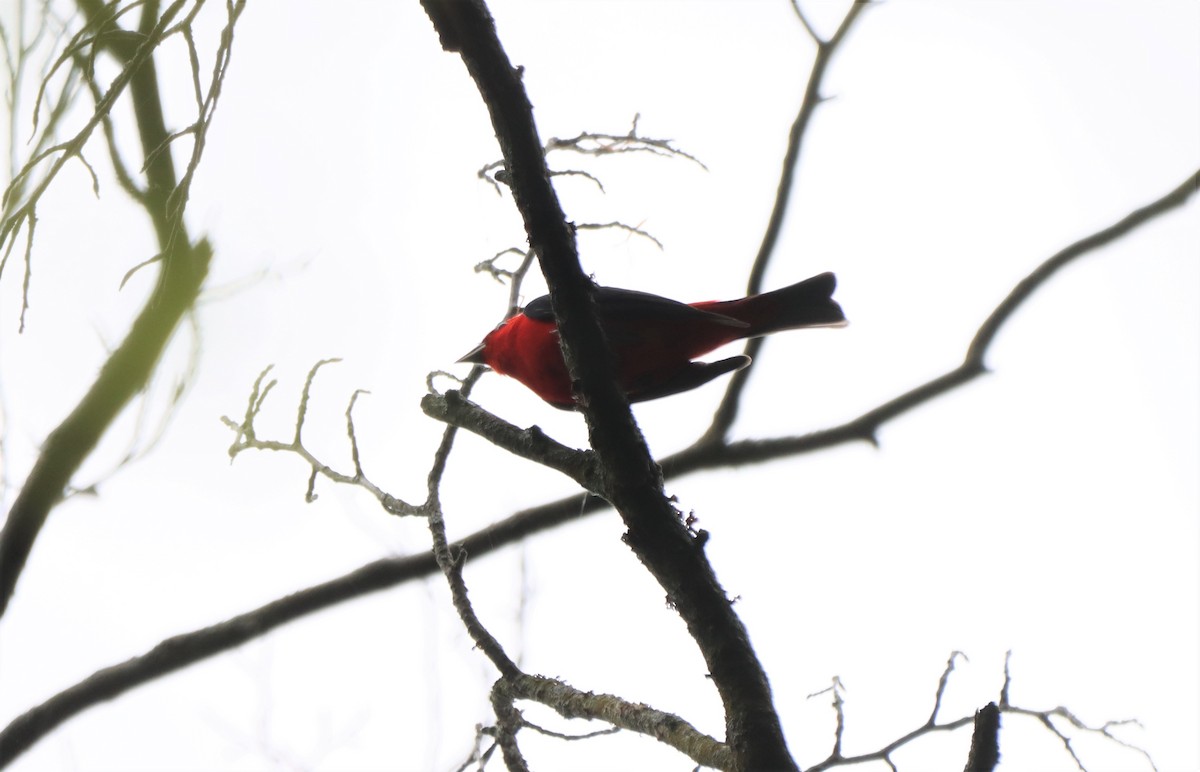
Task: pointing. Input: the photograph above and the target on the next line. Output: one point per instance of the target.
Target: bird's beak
(475, 355)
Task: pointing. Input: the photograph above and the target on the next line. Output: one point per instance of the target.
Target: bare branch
(479, 755)
(633, 483)
(182, 650)
(382, 574)
(808, 27)
(500, 274)
(727, 410)
(985, 740)
(358, 471)
(185, 265)
(304, 393)
(515, 277)
(569, 737)
(532, 443)
(667, 728)
(247, 439)
(123, 375)
(942, 682)
(593, 226)
(598, 145)
(1045, 718)
(145, 263)
(580, 173)
(837, 758)
(451, 562)
(508, 722)
(73, 147)
(839, 730)
(984, 751)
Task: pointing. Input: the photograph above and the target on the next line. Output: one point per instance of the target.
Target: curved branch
(182, 650)
(632, 482)
(667, 728)
(188, 648)
(124, 374)
(726, 412)
(184, 268)
(984, 751)
(1039, 276)
(533, 444)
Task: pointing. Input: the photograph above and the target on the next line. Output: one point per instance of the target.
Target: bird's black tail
(807, 304)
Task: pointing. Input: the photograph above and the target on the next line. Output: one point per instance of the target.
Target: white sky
(1049, 508)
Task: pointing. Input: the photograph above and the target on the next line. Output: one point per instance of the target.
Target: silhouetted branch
(515, 684)
(985, 751)
(590, 143)
(837, 758)
(598, 145)
(531, 443)
(655, 531)
(727, 410)
(633, 229)
(188, 648)
(985, 740)
(1046, 719)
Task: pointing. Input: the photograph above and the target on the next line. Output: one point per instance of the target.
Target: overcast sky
(1050, 508)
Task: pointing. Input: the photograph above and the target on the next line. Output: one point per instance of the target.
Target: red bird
(653, 339)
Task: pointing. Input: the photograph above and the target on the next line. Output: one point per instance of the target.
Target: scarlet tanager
(653, 339)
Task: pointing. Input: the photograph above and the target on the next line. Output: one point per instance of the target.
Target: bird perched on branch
(653, 339)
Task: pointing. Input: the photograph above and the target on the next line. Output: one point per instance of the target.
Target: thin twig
(655, 531)
(246, 438)
(188, 648)
(727, 410)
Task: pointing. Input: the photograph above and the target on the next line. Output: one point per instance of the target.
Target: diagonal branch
(188, 648)
(532, 443)
(124, 374)
(655, 531)
(837, 758)
(667, 728)
(973, 365)
(138, 76)
(184, 267)
(727, 410)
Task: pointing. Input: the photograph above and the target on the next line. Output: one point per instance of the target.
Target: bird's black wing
(686, 378)
(624, 304)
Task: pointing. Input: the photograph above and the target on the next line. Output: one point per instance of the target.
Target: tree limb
(532, 443)
(184, 267)
(188, 648)
(727, 410)
(655, 531)
(985, 740)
